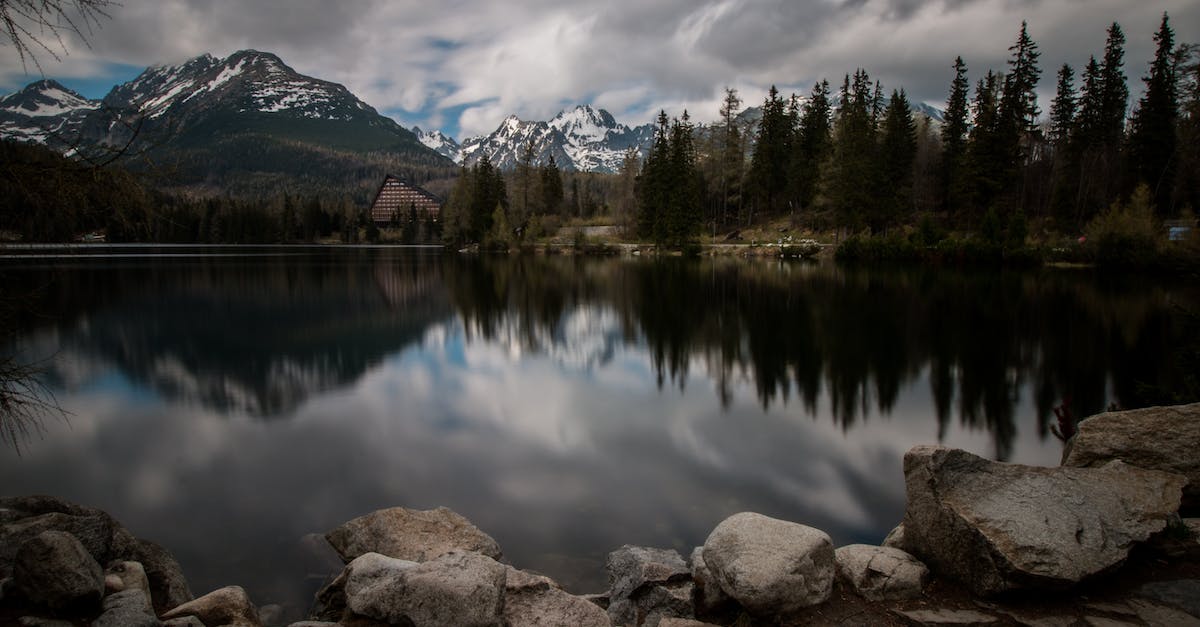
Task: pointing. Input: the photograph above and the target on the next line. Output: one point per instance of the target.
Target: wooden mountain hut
(397, 197)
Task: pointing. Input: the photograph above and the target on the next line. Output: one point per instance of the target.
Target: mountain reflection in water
(565, 405)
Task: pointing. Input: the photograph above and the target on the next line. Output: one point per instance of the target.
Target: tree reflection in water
(261, 334)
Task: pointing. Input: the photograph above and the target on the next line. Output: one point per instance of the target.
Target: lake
(230, 402)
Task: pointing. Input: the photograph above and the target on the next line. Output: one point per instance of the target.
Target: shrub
(1128, 235)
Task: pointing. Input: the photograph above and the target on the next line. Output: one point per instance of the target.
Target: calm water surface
(228, 402)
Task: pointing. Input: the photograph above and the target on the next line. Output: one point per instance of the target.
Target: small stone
(409, 534)
(934, 618)
(895, 538)
(120, 576)
(55, 570)
(771, 567)
(226, 606)
(879, 573)
(271, 614)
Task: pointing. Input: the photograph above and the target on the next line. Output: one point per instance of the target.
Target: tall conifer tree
(1152, 137)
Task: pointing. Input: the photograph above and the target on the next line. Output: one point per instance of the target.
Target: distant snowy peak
(44, 112)
(245, 81)
(583, 139)
(439, 142)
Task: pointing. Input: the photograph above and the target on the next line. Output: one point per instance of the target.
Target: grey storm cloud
(469, 63)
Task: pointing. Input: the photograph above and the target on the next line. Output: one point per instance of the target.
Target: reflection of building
(397, 198)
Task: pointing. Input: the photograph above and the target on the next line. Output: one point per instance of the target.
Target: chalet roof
(424, 192)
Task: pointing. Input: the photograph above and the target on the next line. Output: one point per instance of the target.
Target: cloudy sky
(463, 65)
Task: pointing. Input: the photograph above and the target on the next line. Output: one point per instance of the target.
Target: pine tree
(898, 149)
(852, 177)
(551, 187)
(813, 144)
(954, 138)
(1063, 107)
(732, 159)
(1114, 93)
(986, 150)
(772, 148)
(1152, 139)
(653, 192)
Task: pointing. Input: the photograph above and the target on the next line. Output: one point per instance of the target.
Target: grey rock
(271, 614)
(409, 534)
(184, 621)
(683, 622)
(126, 575)
(1183, 594)
(710, 596)
(771, 567)
(55, 570)
(895, 538)
(645, 584)
(457, 588)
(225, 606)
(1154, 438)
(330, 602)
(127, 608)
(168, 587)
(27, 516)
(879, 573)
(104, 538)
(1155, 614)
(532, 600)
(935, 617)
(997, 527)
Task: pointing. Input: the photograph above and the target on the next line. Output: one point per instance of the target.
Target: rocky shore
(1103, 539)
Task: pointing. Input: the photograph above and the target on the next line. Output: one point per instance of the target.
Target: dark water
(227, 402)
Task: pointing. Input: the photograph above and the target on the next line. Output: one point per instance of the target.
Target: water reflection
(565, 405)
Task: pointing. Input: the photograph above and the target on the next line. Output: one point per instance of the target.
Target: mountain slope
(246, 125)
(583, 139)
(44, 112)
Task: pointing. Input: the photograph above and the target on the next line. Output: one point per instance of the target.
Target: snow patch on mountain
(44, 112)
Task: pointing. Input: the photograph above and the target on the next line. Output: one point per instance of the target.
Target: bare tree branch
(37, 26)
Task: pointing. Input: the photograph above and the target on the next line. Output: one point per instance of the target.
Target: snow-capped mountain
(440, 142)
(584, 139)
(44, 112)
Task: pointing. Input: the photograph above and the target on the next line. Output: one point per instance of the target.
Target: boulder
(457, 588)
(127, 608)
(710, 597)
(771, 567)
(1154, 438)
(409, 534)
(647, 584)
(532, 600)
(997, 527)
(55, 570)
(104, 538)
(226, 606)
(880, 573)
(168, 587)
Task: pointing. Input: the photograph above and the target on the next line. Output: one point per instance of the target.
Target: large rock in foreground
(457, 588)
(771, 567)
(229, 606)
(409, 534)
(535, 601)
(55, 570)
(647, 584)
(1155, 438)
(999, 527)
